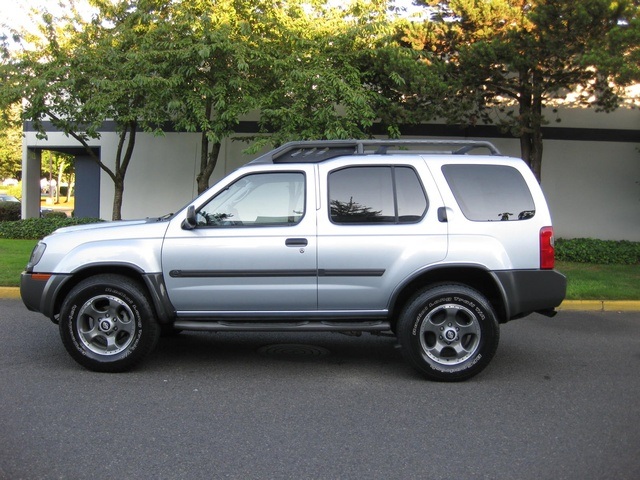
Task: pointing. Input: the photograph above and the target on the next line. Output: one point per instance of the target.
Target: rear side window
(386, 194)
(490, 193)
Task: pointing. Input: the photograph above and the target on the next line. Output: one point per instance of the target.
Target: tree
(528, 53)
(293, 61)
(409, 84)
(314, 86)
(10, 142)
(78, 75)
(337, 70)
(211, 53)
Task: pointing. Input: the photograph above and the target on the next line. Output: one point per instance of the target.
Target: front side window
(490, 193)
(261, 199)
(376, 195)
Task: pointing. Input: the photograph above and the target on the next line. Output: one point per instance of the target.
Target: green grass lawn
(601, 282)
(585, 281)
(14, 255)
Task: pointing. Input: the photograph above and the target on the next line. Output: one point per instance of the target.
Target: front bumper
(38, 291)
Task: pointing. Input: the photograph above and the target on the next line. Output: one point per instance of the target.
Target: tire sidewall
(143, 336)
(418, 312)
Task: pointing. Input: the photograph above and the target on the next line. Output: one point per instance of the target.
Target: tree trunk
(208, 158)
(530, 119)
(61, 167)
(122, 163)
(207, 167)
(118, 195)
(71, 186)
(536, 128)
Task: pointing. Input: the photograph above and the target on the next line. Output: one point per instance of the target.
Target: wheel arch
(474, 276)
(152, 284)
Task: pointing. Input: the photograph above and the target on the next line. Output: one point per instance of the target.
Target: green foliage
(36, 228)
(15, 190)
(10, 141)
(508, 59)
(9, 211)
(200, 66)
(78, 74)
(603, 252)
(320, 74)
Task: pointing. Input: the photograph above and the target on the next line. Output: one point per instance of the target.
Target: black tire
(448, 332)
(107, 323)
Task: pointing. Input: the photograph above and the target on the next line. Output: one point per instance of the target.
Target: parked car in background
(10, 198)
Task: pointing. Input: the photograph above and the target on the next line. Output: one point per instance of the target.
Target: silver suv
(437, 247)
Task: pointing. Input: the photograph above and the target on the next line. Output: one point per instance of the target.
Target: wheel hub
(106, 325)
(450, 334)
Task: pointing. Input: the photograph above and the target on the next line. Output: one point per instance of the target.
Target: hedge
(9, 211)
(603, 252)
(55, 213)
(36, 228)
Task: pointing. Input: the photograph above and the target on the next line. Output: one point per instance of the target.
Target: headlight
(36, 255)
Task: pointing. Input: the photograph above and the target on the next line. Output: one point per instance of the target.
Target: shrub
(603, 252)
(9, 211)
(55, 214)
(36, 228)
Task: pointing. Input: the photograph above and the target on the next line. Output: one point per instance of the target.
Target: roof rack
(321, 150)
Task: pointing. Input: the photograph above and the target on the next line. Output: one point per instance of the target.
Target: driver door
(253, 249)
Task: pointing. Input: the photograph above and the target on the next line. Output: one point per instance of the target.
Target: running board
(222, 326)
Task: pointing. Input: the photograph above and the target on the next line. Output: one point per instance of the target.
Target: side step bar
(222, 326)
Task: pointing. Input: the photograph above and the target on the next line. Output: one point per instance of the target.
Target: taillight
(547, 250)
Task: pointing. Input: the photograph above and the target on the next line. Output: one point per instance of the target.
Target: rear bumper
(528, 291)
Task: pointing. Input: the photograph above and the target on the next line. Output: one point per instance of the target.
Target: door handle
(296, 242)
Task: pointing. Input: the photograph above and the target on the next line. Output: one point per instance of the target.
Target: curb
(567, 305)
(600, 306)
(9, 292)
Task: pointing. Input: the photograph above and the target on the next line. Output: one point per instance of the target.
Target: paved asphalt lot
(561, 400)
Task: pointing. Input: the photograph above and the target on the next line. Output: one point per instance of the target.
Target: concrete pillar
(31, 182)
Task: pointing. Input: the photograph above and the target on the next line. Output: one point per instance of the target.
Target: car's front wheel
(448, 332)
(107, 323)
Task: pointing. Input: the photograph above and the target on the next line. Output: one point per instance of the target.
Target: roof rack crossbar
(321, 150)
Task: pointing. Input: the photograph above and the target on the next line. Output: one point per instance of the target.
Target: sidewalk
(568, 305)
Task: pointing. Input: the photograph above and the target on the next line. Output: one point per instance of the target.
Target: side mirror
(190, 222)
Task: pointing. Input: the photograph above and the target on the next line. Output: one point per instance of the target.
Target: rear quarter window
(490, 193)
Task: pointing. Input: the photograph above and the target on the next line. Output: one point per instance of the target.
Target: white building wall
(593, 187)
(160, 177)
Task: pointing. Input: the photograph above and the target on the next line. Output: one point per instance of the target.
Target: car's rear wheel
(107, 323)
(448, 332)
